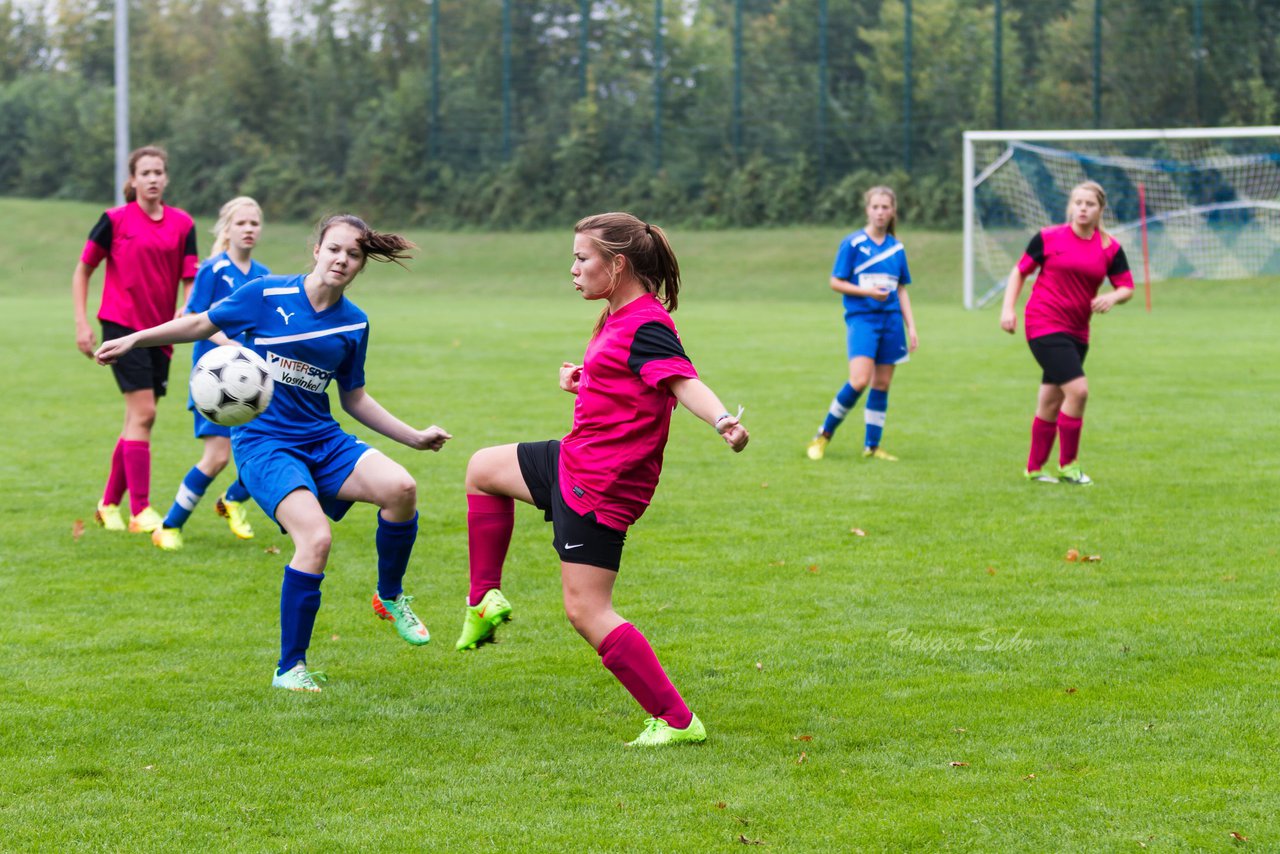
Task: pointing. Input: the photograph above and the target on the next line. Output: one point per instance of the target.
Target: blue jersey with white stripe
(216, 278)
(304, 350)
(865, 263)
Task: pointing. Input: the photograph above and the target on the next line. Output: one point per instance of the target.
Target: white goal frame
(971, 180)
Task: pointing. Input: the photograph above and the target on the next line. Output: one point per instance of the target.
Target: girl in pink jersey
(150, 248)
(1073, 258)
(598, 480)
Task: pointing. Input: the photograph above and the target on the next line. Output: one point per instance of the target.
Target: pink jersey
(145, 262)
(611, 460)
(1071, 272)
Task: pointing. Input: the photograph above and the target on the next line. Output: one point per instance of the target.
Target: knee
(402, 493)
(143, 417)
(579, 613)
(478, 468)
(313, 545)
(216, 460)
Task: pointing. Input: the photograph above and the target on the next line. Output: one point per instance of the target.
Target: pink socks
(116, 482)
(1042, 433)
(630, 658)
(490, 520)
(137, 474)
(1068, 438)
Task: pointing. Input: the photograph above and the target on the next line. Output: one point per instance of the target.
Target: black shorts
(578, 539)
(1060, 355)
(140, 368)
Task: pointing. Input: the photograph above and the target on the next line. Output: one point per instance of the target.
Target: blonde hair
(646, 249)
(1095, 188)
(882, 190)
(221, 237)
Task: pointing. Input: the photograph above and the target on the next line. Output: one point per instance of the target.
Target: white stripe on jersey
(888, 253)
(275, 292)
(218, 265)
(858, 238)
(307, 336)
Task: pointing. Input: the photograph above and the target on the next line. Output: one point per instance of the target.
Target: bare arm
(843, 286)
(182, 330)
(1105, 302)
(361, 406)
(85, 341)
(695, 396)
(1009, 311)
(186, 297)
(904, 300)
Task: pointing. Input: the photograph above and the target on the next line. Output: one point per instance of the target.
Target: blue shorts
(270, 470)
(879, 336)
(205, 427)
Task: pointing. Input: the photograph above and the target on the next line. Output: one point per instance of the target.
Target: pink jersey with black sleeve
(146, 259)
(611, 460)
(1071, 272)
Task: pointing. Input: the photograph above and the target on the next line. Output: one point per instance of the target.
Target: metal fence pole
(657, 86)
(122, 98)
(906, 88)
(737, 79)
(822, 92)
(433, 138)
(1197, 23)
(584, 13)
(998, 83)
(1097, 63)
(506, 79)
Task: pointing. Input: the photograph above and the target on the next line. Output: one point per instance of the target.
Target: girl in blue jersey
(229, 266)
(871, 272)
(296, 461)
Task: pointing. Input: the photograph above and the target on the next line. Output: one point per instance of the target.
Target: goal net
(1209, 199)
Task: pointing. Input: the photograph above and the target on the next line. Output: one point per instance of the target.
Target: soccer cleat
(1072, 474)
(169, 539)
(659, 733)
(145, 522)
(298, 678)
(108, 516)
(1039, 476)
(817, 447)
(236, 515)
(878, 453)
(406, 623)
(481, 619)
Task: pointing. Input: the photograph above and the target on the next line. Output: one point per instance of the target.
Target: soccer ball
(231, 385)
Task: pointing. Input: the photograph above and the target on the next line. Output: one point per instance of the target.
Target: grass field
(945, 682)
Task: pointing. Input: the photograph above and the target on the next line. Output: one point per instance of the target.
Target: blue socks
(299, 602)
(844, 401)
(877, 403)
(395, 543)
(237, 492)
(189, 495)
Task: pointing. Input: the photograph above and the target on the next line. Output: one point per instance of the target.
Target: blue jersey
(215, 279)
(868, 264)
(304, 350)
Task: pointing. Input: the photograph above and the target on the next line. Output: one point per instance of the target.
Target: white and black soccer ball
(231, 385)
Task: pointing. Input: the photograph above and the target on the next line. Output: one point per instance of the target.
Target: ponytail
(646, 249)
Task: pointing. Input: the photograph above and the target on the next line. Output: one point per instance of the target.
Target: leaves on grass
(764, 486)
(777, 563)
(272, 550)
(1029, 777)
(1074, 556)
(857, 532)
(960, 729)
(813, 567)
(959, 764)
(1071, 690)
(802, 758)
(333, 637)
(148, 767)
(745, 841)
(802, 738)
(1228, 578)
(721, 805)
(742, 821)
(759, 665)
(991, 570)
(1239, 837)
(77, 529)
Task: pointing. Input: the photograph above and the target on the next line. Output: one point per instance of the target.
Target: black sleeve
(1119, 264)
(653, 342)
(191, 243)
(1035, 249)
(101, 233)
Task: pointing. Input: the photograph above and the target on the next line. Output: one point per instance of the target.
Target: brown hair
(1095, 188)
(882, 190)
(645, 248)
(380, 246)
(130, 194)
(221, 242)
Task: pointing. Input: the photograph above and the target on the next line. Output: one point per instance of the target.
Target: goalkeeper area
(1185, 203)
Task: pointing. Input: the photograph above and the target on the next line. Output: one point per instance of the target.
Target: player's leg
(379, 480)
(494, 481)
(233, 505)
(875, 410)
(140, 417)
(107, 513)
(1070, 424)
(588, 603)
(861, 347)
(213, 459)
(300, 513)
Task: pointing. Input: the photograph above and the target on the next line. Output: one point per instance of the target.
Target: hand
(735, 435)
(913, 340)
(1009, 321)
(85, 341)
(570, 377)
(430, 439)
(111, 351)
(880, 294)
(1104, 303)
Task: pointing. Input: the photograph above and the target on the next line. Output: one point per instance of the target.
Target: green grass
(1097, 706)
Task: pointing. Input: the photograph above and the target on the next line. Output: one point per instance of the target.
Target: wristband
(716, 425)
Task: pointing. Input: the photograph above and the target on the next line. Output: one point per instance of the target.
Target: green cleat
(1072, 474)
(168, 539)
(1039, 476)
(817, 447)
(145, 522)
(298, 678)
(878, 453)
(398, 612)
(236, 515)
(108, 516)
(482, 618)
(659, 733)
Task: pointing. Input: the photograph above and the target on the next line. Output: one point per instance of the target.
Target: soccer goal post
(1185, 202)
